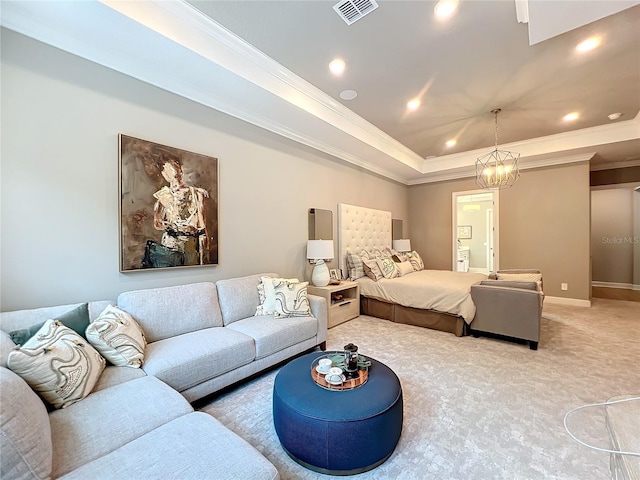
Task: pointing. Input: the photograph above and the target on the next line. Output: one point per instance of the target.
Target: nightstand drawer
(343, 311)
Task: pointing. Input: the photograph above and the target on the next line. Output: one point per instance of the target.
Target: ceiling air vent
(353, 10)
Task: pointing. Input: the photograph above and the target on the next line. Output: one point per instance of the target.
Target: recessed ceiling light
(348, 94)
(337, 66)
(413, 104)
(451, 143)
(570, 117)
(445, 8)
(615, 116)
(588, 44)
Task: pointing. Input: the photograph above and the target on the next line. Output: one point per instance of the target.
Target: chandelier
(499, 168)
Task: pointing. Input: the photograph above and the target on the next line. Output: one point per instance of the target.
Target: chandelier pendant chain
(495, 112)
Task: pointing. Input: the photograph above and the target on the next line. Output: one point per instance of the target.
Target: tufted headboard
(359, 228)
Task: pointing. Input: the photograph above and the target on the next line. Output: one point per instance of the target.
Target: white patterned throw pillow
(291, 299)
(118, 337)
(388, 267)
(58, 364)
(416, 260)
(267, 294)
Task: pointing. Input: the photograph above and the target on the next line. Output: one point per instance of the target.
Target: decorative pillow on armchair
(522, 277)
(58, 364)
(118, 337)
(291, 299)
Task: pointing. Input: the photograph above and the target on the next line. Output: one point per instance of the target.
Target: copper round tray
(350, 382)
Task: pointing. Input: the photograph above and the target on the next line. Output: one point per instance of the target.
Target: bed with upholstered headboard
(437, 299)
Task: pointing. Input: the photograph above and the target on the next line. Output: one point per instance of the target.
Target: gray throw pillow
(76, 319)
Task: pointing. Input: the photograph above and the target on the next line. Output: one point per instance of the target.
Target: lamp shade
(319, 249)
(402, 245)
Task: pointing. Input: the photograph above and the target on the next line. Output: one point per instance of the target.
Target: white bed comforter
(441, 290)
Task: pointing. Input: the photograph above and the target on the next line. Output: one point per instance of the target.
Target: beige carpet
(479, 408)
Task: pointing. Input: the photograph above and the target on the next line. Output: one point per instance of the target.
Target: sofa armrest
(510, 311)
(318, 307)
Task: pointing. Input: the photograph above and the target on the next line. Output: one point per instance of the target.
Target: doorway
(475, 231)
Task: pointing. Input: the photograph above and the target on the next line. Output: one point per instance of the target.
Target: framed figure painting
(168, 206)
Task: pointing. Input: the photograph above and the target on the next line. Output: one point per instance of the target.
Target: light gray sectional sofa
(138, 422)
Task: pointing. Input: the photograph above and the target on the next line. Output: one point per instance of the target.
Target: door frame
(496, 224)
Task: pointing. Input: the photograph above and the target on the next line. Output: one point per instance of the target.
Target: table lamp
(402, 245)
(319, 251)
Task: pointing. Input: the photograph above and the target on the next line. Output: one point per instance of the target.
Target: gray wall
(544, 224)
(59, 178)
(612, 235)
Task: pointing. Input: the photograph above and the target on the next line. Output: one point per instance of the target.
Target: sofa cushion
(291, 299)
(25, 450)
(58, 364)
(77, 319)
(192, 447)
(108, 419)
(274, 334)
(169, 311)
(239, 296)
(118, 337)
(113, 375)
(187, 360)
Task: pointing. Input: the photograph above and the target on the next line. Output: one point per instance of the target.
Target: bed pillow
(388, 267)
(416, 260)
(371, 269)
(355, 266)
(405, 268)
(118, 337)
(267, 294)
(76, 319)
(399, 257)
(291, 299)
(58, 364)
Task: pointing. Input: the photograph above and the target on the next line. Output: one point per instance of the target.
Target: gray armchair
(508, 308)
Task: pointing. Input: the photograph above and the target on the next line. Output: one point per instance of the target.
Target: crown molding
(614, 165)
(215, 68)
(187, 26)
(523, 164)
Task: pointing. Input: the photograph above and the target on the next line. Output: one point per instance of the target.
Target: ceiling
(266, 62)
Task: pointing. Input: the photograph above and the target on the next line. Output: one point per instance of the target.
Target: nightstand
(343, 301)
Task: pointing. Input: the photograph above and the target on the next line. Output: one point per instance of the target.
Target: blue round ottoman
(337, 432)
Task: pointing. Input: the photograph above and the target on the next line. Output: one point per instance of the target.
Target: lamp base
(320, 275)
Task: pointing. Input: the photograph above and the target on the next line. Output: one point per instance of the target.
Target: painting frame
(464, 232)
(334, 275)
(167, 206)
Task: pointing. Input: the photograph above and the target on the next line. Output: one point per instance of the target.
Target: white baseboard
(576, 302)
(626, 286)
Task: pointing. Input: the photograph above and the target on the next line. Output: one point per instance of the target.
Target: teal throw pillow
(76, 319)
